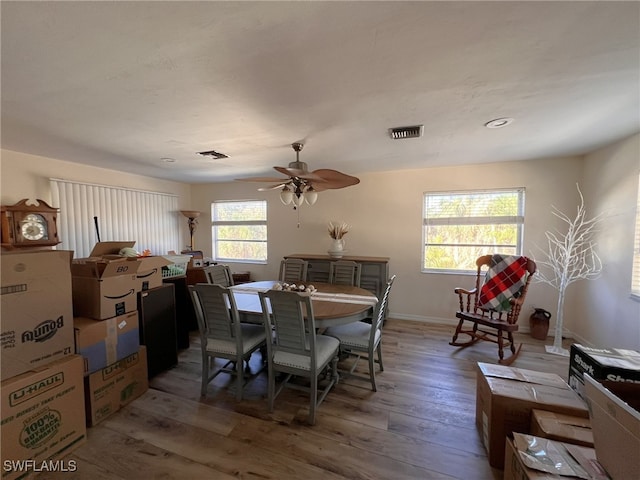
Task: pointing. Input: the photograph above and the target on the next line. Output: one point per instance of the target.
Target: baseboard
(523, 326)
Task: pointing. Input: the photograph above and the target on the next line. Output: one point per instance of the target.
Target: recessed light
(167, 160)
(499, 122)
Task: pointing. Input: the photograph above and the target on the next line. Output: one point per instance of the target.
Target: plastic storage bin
(177, 268)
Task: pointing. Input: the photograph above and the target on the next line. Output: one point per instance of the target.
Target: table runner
(345, 298)
(321, 296)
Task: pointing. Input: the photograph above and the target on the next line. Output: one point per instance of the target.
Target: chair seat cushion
(252, 336)
(354, 334)
(326, 349)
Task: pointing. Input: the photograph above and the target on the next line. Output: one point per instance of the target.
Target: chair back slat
(215, 307)
(380, 310)
(219, 275)
(292, 320)
(344, 272)
(293, 270)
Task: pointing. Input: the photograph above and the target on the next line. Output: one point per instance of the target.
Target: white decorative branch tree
(570, 257)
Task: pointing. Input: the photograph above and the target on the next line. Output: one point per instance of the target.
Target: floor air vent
(400, 133)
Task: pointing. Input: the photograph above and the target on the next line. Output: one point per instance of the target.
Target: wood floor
(420, 424)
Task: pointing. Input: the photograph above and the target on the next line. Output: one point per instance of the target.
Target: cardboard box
(615, 419)
(562, 428)
(102, 249)
(36, 309)
(103, 342)
(505, 398)
(42, 416)
(150, 272)
(533, 458)
(113, 387)
(104, 288)
(611, 364)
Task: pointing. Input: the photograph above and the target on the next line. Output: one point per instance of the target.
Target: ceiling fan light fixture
(310, 196)
(298, 199)
(302, 186)
(286, 196)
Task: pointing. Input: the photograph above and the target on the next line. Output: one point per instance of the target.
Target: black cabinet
(157, 311)
(185, 314)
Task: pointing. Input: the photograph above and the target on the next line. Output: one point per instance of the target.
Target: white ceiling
(124, 84)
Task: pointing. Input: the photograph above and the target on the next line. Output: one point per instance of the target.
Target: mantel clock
(28, 225)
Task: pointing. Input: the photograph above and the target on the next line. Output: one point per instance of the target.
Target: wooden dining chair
(223, 336)
(344, 272)
(295, 348)
(219, 274)
(293, 270)
(493, 306)
(363, 340)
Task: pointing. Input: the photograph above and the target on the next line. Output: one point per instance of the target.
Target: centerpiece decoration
(292, 287)
(337, 230)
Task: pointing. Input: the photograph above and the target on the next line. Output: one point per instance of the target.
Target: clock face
(33, 227)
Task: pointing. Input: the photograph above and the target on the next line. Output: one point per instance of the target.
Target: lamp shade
(310, 196)
(298, 198)
(286, 196)
(190, 213)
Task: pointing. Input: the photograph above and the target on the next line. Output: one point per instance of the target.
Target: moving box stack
(42, 377)
(106, 324)
(537, 426)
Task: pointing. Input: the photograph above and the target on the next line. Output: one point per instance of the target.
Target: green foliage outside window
(239, 230)
(461, 226)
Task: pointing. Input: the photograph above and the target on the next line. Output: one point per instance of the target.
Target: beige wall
(385, 211)
(605, 313)
(27, 176)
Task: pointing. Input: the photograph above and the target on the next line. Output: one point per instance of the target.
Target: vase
(539, 323)
(337, 248)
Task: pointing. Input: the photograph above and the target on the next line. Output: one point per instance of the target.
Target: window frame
(517, 219)
(635, 268)
(216, 223)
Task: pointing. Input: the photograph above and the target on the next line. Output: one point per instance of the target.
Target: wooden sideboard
(374, 271)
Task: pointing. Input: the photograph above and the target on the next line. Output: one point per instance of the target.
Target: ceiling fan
(301, 184)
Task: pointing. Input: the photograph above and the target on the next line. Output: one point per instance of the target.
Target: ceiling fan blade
(273, 187)
(262, 179)
(290, 172)
(296, 172)
(334, 179)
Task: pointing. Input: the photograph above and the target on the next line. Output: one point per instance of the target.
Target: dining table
(332, 304)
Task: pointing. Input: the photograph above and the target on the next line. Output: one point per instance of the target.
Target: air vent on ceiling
(214, 154)
(400, 133)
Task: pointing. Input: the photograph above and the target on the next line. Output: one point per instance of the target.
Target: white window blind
(458, 227)
(239, 231)
(635, 282)
(151, 219)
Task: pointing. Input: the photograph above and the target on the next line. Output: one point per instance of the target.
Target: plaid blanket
(504, 280)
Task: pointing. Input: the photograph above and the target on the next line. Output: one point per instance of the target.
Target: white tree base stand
(557, 351)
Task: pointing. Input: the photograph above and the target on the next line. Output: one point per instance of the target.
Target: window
(239, 231)
(117, 214)
(635, 281)
(458, 227)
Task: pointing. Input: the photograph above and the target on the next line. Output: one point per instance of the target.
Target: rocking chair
(493, 306)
